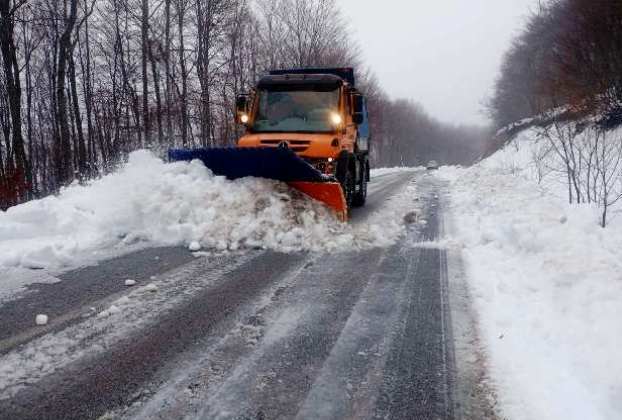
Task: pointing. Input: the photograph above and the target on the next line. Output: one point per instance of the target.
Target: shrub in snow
(588, 156)
(194, 246)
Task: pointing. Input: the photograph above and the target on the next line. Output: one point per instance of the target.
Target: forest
(569, 54)
(563, 77)
(85, 82)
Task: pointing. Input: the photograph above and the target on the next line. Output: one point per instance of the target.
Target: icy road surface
(374, 333)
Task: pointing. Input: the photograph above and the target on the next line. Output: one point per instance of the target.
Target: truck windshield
(295, 111)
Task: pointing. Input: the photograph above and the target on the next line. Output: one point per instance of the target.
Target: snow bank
(547, 285)
(387, 171)
(155, 203)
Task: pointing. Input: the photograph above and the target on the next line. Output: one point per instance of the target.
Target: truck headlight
(336, 118)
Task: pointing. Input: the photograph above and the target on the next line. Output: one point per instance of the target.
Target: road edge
(473, 396)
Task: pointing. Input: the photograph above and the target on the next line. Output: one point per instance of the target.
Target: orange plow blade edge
(280, 164)
(329, 193)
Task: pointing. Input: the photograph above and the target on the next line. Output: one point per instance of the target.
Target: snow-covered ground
(546, 282)
(377, 172)
(102, 328)
(152, 203)
(159, 204)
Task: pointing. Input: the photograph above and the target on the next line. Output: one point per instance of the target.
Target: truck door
(363, 130)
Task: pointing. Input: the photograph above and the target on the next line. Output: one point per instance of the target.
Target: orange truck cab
(318, 114)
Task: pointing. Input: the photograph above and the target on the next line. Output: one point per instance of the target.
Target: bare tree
(608, 165)
(182, 7)
(17, 168)
(101, 77)
(144, 30)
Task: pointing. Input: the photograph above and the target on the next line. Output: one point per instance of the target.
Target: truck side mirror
(242, 104)
(358, 103)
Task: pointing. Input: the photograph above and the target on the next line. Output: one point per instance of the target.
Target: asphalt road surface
(253, 335)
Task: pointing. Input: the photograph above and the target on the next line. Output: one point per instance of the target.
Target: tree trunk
(64, 166)
(19, 160)
(203, 68)
(88, 98)
(156, 86)
(184, 73)
(31, 145)
(145, 52)
(167, 69)
(81, 149)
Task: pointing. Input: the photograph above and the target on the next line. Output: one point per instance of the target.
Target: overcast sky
(444, 54)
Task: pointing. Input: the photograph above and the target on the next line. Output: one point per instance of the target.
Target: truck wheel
(346, 178)
(360, 196)
(349, 189)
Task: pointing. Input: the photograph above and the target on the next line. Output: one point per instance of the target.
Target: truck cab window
(295, 111)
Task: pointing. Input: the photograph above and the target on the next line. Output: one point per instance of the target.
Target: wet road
(258, 335)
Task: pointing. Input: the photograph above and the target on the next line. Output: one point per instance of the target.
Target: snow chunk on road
(154, 203)
(130, 282)
(546, 282)
(151, 288)
(194, 246)
(41, 319)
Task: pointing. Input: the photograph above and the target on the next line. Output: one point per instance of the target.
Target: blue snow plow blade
(280, 164)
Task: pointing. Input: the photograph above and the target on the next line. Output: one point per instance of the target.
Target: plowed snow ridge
(152, 203)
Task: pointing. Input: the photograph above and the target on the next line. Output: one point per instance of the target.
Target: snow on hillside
(546, 282)
(149, 202)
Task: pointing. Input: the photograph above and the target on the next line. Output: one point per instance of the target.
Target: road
(252, 335)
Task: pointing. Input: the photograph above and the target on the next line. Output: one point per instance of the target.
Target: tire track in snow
(276, 378)
(344, 303)
(66, 300)
(330, 344)
(96, 383)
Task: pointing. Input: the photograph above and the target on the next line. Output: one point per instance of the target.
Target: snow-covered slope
(546, 282)
(149, 202)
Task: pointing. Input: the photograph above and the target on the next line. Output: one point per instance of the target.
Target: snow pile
(546, 282)
(155, 203)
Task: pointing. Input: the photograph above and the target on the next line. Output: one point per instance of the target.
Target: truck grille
(297, 146)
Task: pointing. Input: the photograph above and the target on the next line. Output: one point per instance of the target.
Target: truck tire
(346, 177)
(360, 196)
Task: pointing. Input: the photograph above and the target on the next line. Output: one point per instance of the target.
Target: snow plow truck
(306, 127)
